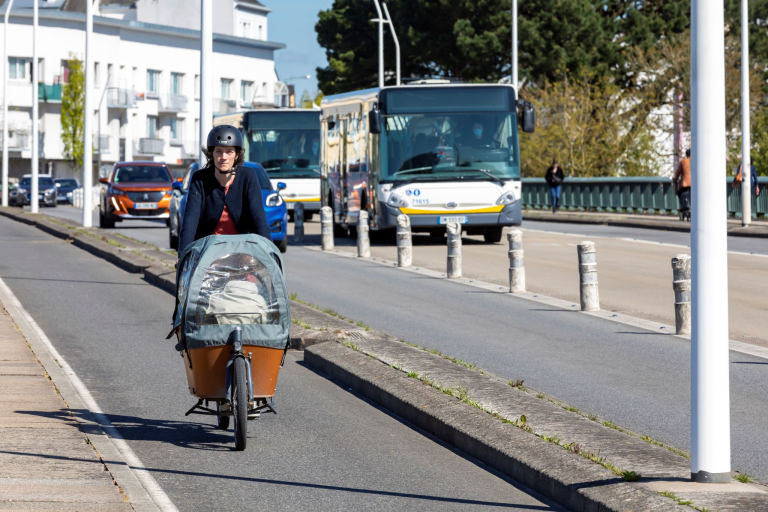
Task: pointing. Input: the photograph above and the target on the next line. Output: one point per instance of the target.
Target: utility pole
(206, 50)
(397, 43)
(380, 20)
(746, 159)
(513, 76)
(5, 102)
(87, 114)
(710, 409)
(34, 203)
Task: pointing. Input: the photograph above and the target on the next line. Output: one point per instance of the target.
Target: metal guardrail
(627, 195)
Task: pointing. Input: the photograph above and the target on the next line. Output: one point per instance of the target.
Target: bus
(286, 142)
(437, 152)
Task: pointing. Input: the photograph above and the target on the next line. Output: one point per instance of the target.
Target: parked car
(175, 209)
(64, 188)
(46, 190)
(135, 190)
(274, 207)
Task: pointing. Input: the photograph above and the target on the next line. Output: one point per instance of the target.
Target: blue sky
(292, 22)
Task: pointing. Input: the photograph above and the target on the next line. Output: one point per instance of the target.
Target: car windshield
(142, 174)
(42, 182)
(67, 183)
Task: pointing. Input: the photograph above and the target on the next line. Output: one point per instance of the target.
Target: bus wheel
(492, 235)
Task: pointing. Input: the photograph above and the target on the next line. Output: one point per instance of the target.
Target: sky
(292, 22)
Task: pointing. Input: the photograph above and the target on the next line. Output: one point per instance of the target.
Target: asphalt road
(327, 449)
(634, 378)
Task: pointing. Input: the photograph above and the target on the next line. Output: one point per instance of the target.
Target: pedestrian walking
(554, 177)
(682, 181)
(753, 178)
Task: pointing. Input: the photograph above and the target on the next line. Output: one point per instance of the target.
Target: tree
(72, 106)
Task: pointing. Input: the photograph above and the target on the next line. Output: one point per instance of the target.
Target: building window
(153, 82)
(96, 73)
(226, 88)
(261, 32)
(177, 83)
(197, 86)
(176, 125)
(246, 91)
(245, 28)
(152, 127)
(17, 68)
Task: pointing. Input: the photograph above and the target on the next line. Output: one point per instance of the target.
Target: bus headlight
(395, 201)
(506, 198)
(274, 200)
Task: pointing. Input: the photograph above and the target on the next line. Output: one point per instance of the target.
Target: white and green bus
(286, 142)
(438, 153)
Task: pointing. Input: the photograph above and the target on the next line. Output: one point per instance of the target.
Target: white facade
(145, 76)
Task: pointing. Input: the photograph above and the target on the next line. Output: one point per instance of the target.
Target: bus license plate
(461, 219)
(145, 206)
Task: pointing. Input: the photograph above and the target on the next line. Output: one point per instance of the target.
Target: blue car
(274, 207)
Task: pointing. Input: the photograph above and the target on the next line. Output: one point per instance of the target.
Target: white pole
(397, 44)
(206, 51)
(514, 46)
(5, 103)
(746, 182)
(33, 164)
(381, 43)
(87, 115)
(710, 411)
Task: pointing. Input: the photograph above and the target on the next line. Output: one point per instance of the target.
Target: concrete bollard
(298, 223)
(516, 265)
(590, 299)
(404, 241)
(363, 242)
(454, 250)
(326, 228)
(681, 284)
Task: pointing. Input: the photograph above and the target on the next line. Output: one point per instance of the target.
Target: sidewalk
(566, 455)
(46, 461)
(757, 228)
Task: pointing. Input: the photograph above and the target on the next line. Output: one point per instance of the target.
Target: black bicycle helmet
(224, 135)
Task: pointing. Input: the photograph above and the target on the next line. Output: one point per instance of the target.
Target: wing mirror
(374, 121)
(525, 111)
(281, 185)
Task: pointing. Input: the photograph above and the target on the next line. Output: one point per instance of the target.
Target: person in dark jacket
(554, 179)
(224, 198)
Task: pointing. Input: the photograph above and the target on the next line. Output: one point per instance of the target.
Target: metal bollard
(681, 284)
(404, 241)
(516, 264)
(298, 223)
(454, 250)
(590, 300)
(363, 242)
(326, 228)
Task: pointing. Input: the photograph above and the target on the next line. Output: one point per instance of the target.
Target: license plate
(145, 206)
(461, 219)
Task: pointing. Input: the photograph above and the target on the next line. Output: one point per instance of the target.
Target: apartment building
(145, 76)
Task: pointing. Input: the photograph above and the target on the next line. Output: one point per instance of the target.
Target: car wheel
(106, 221)
(282, 244)
(173, 241)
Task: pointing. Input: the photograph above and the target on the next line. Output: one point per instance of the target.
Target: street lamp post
(206, 51)
(5, 103)
(746, 163)
(34, 203)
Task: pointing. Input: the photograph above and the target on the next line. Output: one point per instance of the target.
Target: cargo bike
(232, 322)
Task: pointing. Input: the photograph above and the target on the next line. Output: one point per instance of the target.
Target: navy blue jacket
(206, 200)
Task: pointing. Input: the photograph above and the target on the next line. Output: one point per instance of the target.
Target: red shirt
(226, 225)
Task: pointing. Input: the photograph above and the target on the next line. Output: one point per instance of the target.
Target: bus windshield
(438, 146)
(453, 133)
(287, 145)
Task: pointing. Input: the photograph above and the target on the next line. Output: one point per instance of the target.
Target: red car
(135, 190)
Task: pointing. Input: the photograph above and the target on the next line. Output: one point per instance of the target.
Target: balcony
(101, 143)
(49, 93)
(120, 98)
(148, 146)
(172, 103)
(224, 105)
(17, 141)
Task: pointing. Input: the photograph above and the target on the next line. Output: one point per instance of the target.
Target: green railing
(46, 92)
(635, 194)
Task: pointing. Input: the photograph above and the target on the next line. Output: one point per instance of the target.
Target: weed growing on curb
(630, 476)
(743, 478)
(680, 501)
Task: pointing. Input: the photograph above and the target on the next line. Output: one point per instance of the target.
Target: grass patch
(743, 478)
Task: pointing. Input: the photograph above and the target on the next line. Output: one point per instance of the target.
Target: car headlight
(506, 198)
(50, 191)
(274, 200)
(395, 201)
(117, 192)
